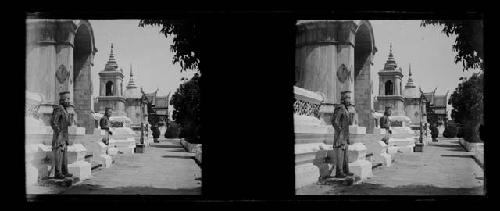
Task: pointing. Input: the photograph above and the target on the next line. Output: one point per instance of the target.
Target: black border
(249, 158)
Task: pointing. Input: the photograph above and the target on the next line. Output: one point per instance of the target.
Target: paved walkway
(444, 168)
(165, 168)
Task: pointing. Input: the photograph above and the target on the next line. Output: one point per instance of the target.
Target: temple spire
(111, 65)
(410, 79)
(131, 83)
(390, 64)
(409, 68)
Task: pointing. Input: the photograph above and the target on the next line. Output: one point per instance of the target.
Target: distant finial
(409, 67)
(390, 48)
(131, 74)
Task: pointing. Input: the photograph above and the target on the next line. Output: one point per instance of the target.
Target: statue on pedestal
(106, 125)
(60, 121)
(341, 121)
(385, 123)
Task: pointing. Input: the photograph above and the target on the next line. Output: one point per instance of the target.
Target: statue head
(64, 99)
(108, 111)
(387, 111)
(345, 98)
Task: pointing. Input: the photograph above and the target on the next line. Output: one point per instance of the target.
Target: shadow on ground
(130, 190)
(378, 189)
(459, 156)
(178, 156)
(166, 146)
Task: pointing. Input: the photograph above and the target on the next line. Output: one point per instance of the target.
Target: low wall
(476, 148)
(193, 148)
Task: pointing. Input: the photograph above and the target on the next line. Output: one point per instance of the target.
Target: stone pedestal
(76, 152)
(76, 162)
(378, 130)
(104, 159)
(356, 152)
(112, 151)
(361, 168)
(354, 129)
(80, 169)
(382, 156)
(306, 174)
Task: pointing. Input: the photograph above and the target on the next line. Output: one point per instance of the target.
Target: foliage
(468, 107)
(173, 130)
(450, 131)
(468, 43)
(186, 103)
(186, 42)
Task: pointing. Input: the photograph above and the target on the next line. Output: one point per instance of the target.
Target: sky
(145, 49)
(427, 49)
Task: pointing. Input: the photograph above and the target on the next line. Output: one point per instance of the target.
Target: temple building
(402, 102)
(438, 111)
(126, 103)
(390, 89)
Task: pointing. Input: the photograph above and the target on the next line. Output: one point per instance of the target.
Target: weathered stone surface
(31, 175)
(361, 168)
(80, 169)
(401, 141)
(76, 130)
(112, 151)
(104, 160)
(306, 174)
(357, 130)
(356, 152)
(387, 159)
(406, 149)
(392, 150)
(126, 150)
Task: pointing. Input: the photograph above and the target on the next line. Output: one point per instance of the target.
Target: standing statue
(341, 121)
(385, 123)
(60, 121)
(106, 125)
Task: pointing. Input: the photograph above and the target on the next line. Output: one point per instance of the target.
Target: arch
(364, 46)
(83, 54)
(389, 87)
(364, 49)
(110, 88)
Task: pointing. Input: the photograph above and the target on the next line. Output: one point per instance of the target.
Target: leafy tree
(468, 107)
(186, 40)
(468, 43)
(186, 103)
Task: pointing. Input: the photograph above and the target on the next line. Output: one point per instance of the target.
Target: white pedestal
(80, 169)
(72, 130)
(406, 149)
(126, 150)
(306, 174)
(387, 159)
(361, 168)
(378, 130)
(104, 160)
(112, 151)
(356, 152)
(401, 141)
(31, 175)
(357, 130)
(392, 150)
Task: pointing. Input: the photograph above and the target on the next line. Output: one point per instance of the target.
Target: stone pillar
(325, 59)
(102, 88)
(41, 59)
(397, 89)
(64, 57)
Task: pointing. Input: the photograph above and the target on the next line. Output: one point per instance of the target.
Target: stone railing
(307, 103)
